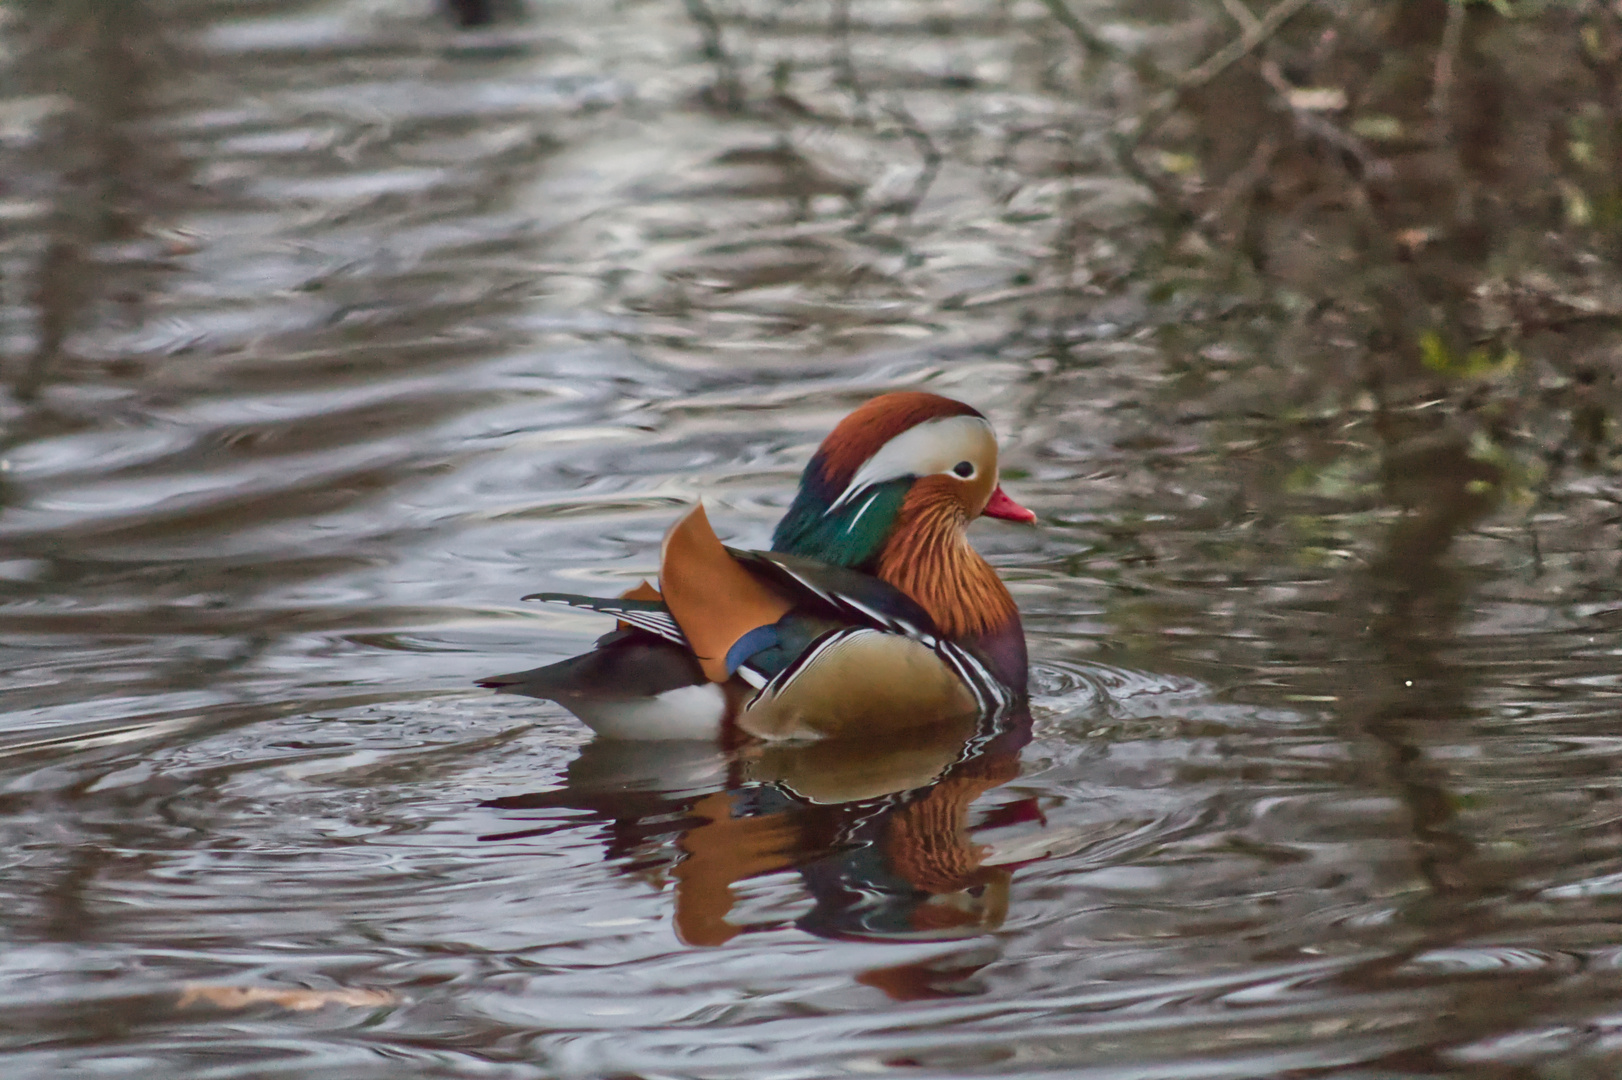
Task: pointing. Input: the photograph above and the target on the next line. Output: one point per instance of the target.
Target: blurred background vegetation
(1361, 255)
(1375, 247)
(1396, 221)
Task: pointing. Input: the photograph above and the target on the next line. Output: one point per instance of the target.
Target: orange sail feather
(712, 597)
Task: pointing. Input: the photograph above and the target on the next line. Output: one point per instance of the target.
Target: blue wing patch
(756, 640)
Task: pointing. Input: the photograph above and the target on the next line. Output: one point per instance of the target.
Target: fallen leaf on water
(1378, 127)
(241, 997)
(1317, 98)
(1414, 239)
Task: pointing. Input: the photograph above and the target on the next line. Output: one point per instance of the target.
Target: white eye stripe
(935, 446)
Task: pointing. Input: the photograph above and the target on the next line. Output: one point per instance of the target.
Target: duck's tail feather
(629, 666)
(541, 682)
(649, 615)
(634, 687)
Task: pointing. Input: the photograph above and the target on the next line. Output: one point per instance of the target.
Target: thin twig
(1234, 51)
(1243, 184)
(58, 296)
(728, 84)
(1310, 124)
(927, 149)
(1085, 35)
(1241, 14)
(845, 62)
(1447, 65)
(1126, 144)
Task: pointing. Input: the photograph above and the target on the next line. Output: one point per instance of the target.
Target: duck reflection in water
(881, 834)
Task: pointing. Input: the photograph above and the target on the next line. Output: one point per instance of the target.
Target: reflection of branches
(1085, 35)
(845, 62)
(1407, 606)
(1447, 64)
(927, 150)
(58, 296)
(1311, 125)
(728, 84)
(1241, 15)
(1126, 144)
(106, 60)
(1235, 51)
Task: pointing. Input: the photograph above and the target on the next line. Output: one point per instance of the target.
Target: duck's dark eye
(965, 469)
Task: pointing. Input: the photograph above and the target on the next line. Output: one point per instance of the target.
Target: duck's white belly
(687, 712)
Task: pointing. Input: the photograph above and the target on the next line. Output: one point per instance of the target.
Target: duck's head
(921, 453)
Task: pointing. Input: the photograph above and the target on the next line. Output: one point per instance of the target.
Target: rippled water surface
(333, 328)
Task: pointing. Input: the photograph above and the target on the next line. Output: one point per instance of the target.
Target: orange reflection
(879, 833)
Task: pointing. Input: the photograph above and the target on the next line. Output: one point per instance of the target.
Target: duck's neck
(928, 557)
(850, 536)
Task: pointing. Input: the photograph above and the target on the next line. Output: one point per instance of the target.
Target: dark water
(332, 329)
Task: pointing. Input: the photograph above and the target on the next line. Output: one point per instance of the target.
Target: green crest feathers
(850, 536)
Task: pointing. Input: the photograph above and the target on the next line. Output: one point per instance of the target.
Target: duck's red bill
(1001, 506)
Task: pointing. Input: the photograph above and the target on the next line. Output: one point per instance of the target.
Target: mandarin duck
(871, 612)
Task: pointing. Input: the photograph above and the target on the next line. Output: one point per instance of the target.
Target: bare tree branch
(928, 151)
(1237, 50)
(1085, 35)
(728, 85)
(1447, 64)
(845, 62)
(1241, 14)
(1126, 144)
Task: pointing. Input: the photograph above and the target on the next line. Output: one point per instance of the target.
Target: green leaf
(1478, 363)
